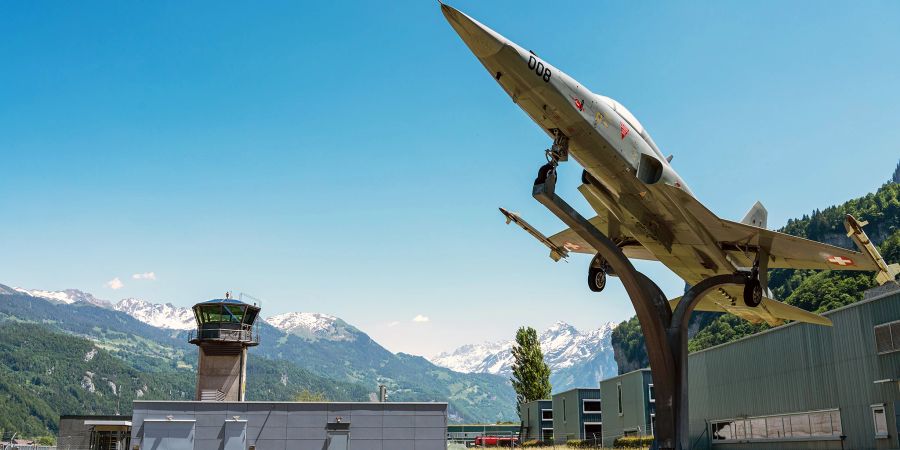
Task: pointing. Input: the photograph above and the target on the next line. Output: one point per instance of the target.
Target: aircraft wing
(741, 242)
(769, 311)
(571, 241)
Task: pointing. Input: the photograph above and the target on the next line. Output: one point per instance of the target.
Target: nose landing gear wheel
(753, 292)
(596, 279)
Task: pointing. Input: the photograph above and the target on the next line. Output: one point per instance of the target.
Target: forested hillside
(45, 373)
(817, 291)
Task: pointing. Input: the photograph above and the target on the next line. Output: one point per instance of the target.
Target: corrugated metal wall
(797, 368)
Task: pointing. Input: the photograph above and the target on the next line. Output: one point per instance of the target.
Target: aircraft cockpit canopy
(629, 117)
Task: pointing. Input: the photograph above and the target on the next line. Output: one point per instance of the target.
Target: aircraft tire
(596, 279)
(753, 293)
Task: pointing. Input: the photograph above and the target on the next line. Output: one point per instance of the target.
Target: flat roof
(120, 423)
(578, 389)
(260, 402)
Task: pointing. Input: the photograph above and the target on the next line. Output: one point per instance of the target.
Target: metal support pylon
(665, 331)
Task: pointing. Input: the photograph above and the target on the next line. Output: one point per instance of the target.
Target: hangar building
(803, 386)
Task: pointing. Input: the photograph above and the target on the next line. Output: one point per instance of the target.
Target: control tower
(224, 332)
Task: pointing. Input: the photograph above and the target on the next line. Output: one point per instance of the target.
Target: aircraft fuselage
(605, 139)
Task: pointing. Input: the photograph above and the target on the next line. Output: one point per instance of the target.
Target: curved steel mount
(665, 331)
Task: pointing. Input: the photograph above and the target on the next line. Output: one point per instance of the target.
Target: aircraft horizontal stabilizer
(770, 311)
(884, 272)
(556, 252)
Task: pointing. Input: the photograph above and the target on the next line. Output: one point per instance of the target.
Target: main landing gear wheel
(753, 293)
(597, 274)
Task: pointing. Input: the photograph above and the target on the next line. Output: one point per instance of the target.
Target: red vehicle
(496, 441)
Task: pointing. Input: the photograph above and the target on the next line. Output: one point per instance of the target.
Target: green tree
(530, 374)
(49, 441)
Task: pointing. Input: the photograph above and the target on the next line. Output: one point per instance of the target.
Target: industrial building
(219, 419)
(804, 386)
(576, 414)
(537, 420)
(288, 425)
(629, 405)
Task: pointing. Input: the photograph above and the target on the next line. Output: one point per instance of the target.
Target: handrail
(245, 333)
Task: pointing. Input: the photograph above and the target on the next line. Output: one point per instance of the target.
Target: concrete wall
(800, 368)
(300, 426)
(635, 416)
(222, 367)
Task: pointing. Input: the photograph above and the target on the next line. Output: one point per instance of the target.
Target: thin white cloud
(393, 324)
(144, 276)
(421, 319)
(115, 284)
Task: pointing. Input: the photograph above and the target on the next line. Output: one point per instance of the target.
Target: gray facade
(629, 408)
(803, 386)
(537, 420)
(285, 425)
(577, 415)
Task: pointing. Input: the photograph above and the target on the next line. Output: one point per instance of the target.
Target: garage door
(168, 435)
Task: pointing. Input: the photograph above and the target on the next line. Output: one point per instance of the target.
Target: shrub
(633, 442)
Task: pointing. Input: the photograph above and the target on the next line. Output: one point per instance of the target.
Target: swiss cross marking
(840, 261)
(623, 129)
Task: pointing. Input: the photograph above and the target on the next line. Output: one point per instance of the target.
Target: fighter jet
(641, 202)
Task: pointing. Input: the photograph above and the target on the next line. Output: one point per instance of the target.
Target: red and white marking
(571, 247)
(840, 261)
(623, 129)
(579, 103)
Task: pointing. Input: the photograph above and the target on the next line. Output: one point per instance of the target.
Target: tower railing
(233, 333)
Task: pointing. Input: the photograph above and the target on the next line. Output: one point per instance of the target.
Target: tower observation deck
(224, 332)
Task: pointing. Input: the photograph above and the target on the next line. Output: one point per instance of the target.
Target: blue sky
(349, 158)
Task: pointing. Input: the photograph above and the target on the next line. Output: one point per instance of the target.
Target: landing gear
(559, 151)
(597, 272)
(753, 293)
(753, 289)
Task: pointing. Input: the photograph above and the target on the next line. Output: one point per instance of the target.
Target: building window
(619, 396)
(591, 406)
(564, 410)
(650, 393)
(813, 425)
(547, 415)
(652, 424)
(880, 420)
(593, 431)
(546, 434)
(887, 337)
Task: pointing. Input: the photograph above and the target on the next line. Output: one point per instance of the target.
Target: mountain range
(576, 359)
(147, 343)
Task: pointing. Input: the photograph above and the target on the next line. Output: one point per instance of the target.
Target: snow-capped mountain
(576, 359)
(67, 296)
(314, 326)
(311, 326)
(158, 315)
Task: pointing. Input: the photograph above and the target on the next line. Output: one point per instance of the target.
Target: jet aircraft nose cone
(482, 40)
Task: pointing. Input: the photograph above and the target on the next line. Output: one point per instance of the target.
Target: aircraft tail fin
(756, 216)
